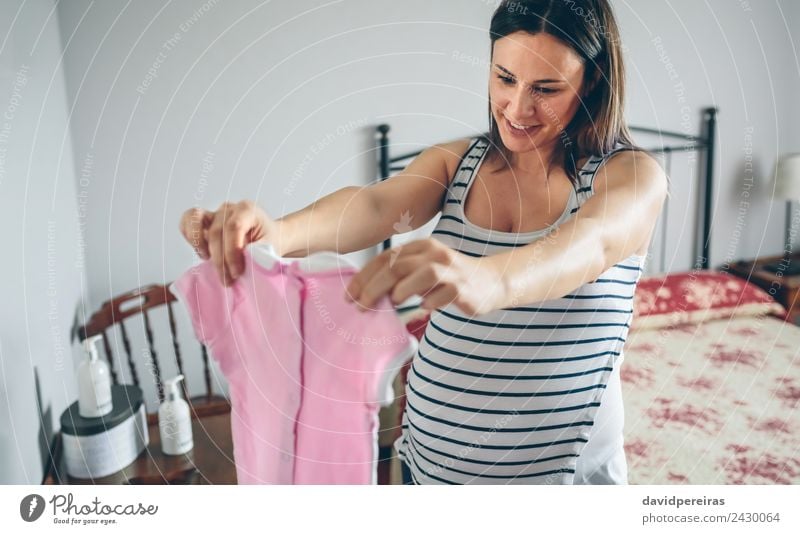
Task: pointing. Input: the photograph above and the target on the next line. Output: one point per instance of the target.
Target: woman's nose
(522, 105)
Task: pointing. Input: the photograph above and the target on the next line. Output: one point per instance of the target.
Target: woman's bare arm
(614, 223)
(347, 220)
(354, 218)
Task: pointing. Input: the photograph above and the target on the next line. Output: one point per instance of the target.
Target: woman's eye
(541, 90)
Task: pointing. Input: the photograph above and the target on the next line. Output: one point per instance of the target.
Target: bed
(709, 384)
(711, 376)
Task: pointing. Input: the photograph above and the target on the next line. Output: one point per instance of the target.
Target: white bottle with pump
(175, 420)
(94, 382)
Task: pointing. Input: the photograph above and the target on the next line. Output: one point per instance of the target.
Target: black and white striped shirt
(510, 396)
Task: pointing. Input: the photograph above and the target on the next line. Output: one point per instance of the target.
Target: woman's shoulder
(632, 167)
(455, 151)
(463, 145)
(621, 152)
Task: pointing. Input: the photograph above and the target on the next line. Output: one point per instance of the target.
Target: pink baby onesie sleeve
(307, 371)
(209, 305)
(262, 372)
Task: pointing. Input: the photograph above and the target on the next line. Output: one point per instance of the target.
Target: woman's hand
(222, 235)
(433, 271)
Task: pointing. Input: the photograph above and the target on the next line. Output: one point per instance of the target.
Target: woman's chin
(517, 143)
(524, 143)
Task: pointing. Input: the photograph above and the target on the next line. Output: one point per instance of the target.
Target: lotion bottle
(94, 382)
(175, 420)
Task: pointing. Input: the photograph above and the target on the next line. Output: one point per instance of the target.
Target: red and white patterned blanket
(713, 403)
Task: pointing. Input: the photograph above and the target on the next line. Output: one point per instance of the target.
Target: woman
(530, 272)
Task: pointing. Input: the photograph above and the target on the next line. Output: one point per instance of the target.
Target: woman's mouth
(521, 130)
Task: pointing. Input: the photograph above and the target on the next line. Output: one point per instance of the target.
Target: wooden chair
(211, 460)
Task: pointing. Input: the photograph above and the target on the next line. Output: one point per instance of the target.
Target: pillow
(693, 297)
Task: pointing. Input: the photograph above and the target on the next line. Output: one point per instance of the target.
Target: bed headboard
(665, 144)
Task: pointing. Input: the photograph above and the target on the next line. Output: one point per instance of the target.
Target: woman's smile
(521, 130)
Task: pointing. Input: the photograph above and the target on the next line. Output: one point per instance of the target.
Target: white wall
(737, 56)
(41, 269)
(241, 99)
(791, 12)
(251, 87)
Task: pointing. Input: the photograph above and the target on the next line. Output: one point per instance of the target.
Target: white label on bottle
(102, 394)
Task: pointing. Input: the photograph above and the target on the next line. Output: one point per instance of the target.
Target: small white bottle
(175, 420)
(94, 382)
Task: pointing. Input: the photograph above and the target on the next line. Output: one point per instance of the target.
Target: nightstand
(209, 462)
(778, 276)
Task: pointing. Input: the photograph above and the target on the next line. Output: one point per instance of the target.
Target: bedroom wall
(792, 13)
(41, 268)
(740, 57)
(195, 102)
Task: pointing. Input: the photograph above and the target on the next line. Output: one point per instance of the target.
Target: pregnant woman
(530, 272)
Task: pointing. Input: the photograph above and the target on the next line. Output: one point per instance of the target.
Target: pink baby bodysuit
(307, 371)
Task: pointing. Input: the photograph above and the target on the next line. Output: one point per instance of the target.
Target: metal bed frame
(703, 143)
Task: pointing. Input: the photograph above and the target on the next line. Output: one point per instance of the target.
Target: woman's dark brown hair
(589, 28)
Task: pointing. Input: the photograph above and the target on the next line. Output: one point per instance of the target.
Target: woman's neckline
(571, 202)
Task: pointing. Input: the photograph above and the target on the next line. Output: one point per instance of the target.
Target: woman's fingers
(411, 274)
(381, 274)
(194, 225)
(356, 286)
(241, 220)
(222, 235)
(371, 281)
(229, 230)
(215, 242)
(420, 280)
(439, 297)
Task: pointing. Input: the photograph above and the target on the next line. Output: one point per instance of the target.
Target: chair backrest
(138, 302)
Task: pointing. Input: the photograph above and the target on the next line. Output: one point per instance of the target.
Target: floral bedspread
(713, 403)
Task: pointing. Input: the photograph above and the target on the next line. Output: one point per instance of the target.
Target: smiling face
(536, 82)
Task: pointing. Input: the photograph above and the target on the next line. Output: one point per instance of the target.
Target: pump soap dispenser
(94, 382)
(175, 420)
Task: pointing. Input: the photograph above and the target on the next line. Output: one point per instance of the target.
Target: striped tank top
(510, 396)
